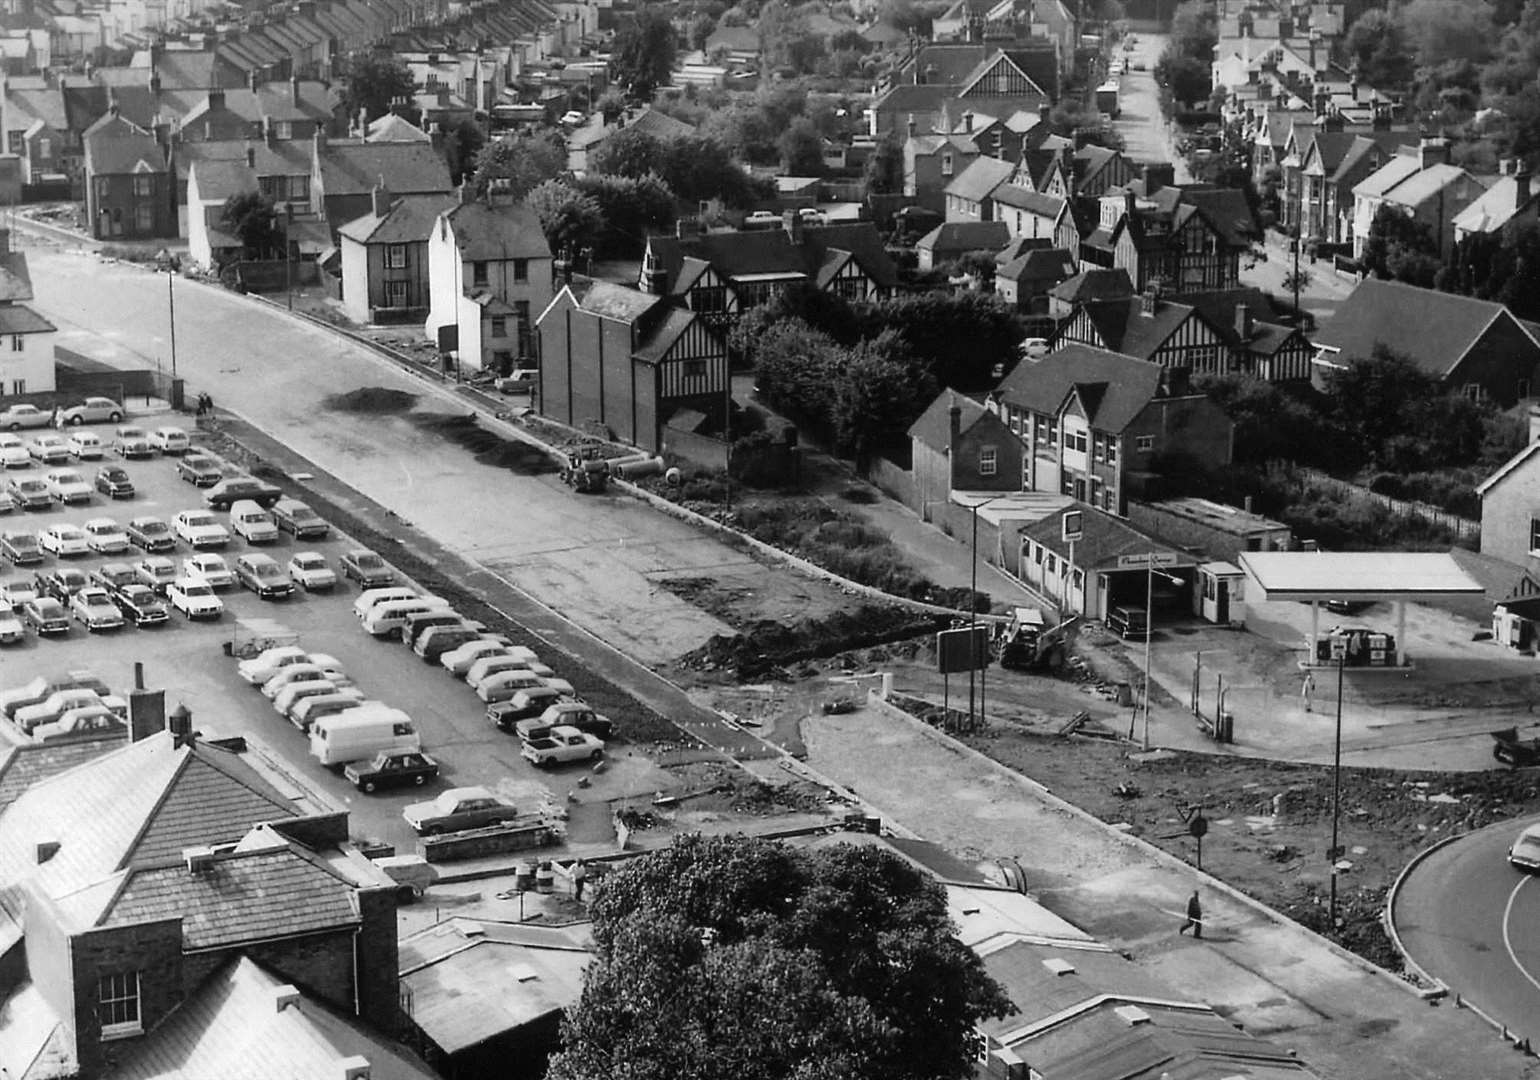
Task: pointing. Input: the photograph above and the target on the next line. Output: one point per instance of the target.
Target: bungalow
(950, 241)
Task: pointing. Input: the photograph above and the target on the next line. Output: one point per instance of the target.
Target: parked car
(1128, 622)
(572, 118)
(524, 705)
(113, 575)
(130, 441)
(761, 219)
(61, 584)
(366, 568)
(113, 482)
(209, 568)
(151, 535)
(39, 688)
(391, 769)
(303, 672)
(263, 576)
(458, 809)
(21, 415)
(94, 609)
(105, 536)
(369, 598)
(575, 714)
(561, 745)
(459, 660)
(417, 625)
(67, 486)
(194, 598)
(60, 702)
(436, 641)
(13, 452)
(310, 569)
(199, 530)
(258, 669)
(811, 215)
(252, 523)
(93, 410)
(8, 503)
(30, 493)
(498, 663)
(233, 489)
(48, 449)
(85, 446)
(1524, 852)
(156, 571)
(20, 547)
(13, 594)
(140, 605)
(293, 516)
(170, 441)
(12, 630)
(199, 470)
(63, 541)
(46, 616)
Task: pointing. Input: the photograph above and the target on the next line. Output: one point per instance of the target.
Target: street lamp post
(1335, 854)
(1149, 633)
(973, 608)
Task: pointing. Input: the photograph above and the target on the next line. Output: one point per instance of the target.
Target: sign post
(1072, 529)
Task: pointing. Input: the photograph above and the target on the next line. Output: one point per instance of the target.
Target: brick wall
(377, 961)
(154, 951)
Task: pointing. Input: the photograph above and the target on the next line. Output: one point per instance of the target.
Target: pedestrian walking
(1307, 689)
(579, 878)
(1194, 916)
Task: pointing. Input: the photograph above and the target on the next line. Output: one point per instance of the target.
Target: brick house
(1510, 507)
(345, 173)
(1097, 425)
(385, 258)
(951, 240)
(930, 164)
(959, 445)
(971, 194)
(216, 171)
(130, 191)
(1421, 184)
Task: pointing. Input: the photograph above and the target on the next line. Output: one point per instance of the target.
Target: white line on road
(1508, 939)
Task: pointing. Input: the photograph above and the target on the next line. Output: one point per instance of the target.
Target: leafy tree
(373, 81)
(525, 160)
(1194, 30)
(610, 105)
(1376, 45)
(816, 308)
(696, 168)
(884, 171)
(570, 219)
(959, 338)
(801, 149)
(462, 145)
(702, 26)
(252, 218)
(1400, 248)
(632, 210)
(644, 51)
(794, 367)
(741, 957)
(880, 393)
(1375, 402)
(1187, 78)
(628, 152)
(1444, 30)
(1272, 422)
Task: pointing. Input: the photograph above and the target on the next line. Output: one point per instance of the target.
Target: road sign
(963, 649)
(1074, 521)
(1198, 826)
(1147, 559)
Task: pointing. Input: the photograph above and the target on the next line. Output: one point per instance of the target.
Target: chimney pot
(285, 996)
(1243, 322)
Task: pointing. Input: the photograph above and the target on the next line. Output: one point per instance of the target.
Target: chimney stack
(1432, 151)
(251, 155)
(380, 199)
(146, 713)
(5, 241)
(1149, 300)
(294, 90)
(954, 424)
(320, 137)
(911, 125)
(285, 996)
(1243, 322)
(968, 123)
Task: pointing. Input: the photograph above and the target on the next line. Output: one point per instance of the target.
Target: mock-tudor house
(938, 83)
(632, 361)
(1472, 347)
(26, 338)
(1097, 424)
(951, 240)
(1512, 198)
(1260, 344)
(489, 277)
(130, 190)
(1091, 283)
(1149, 327)
(345, 174)
(384, 257)
(959, 445)
(1098, 168)
(1422, 185)
(719, 275)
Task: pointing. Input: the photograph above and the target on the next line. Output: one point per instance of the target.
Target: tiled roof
(1034, 202)
(660, 125)
(393, 128)
(19, 319)
(220, 176)
(1387, 176)
(934, 427)
(409, 220)
(1043, 385)
(406, 168)
(24, 106)
(230, 1027)
(24, 765)
(1432, 329)
(115, 147)
(497, 232)
(1094, 283)
(915, 98)
(1426, 184)
(960, 236)
(952, 62)
(770, 251)
(1227, 212)
(1103, 538)
(1124, 327)
(1052, 264)
(664, 333)
(980, 179)
(617, 302)
(1497, 207)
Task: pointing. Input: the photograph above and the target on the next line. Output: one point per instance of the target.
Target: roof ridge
(159, 804)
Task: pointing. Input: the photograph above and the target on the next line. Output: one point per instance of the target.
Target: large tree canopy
(526, 161)
(644, 51)
(373, 83)
(732, 957)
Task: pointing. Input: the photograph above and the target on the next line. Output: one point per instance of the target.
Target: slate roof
(1497, 206)
(1034, 202)
(409, 220)
(934, 427)
(24, 106)
(961, 236)
(1094, 283)
(1123, 326)
(915, 97)
(952, 62)
(1426, 184)
(393, 128)
(24, 765)
(222, 169)
(617, 302)
(664, 334)
(483, 232)
(18, 319)
(230, 1027)
(1227, 212)
(1051, 264)
(1387, 176)
(1042, 386)
(115, 147)
(1432, 329)
(353, 168)
(770, 251)
(979, 180)
(1218, 305)
(1103, 538)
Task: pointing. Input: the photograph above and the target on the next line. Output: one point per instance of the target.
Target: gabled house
(1025, 281)
(130, 190)
(489, 277)
(633, 362)
(1098, 425)
(1420, 184)
(1472, 347)
(959, 445)
(1512, 198)
(1510, 508)
(280, 170)
(1187, 238)
(345, 174)
(939, 82)
(970, 195)
(27, 361)
(931, 162)
(1149, 327)
(385, 258)
(954, 239)
(1333, 165)
(1091, 283)
(1260, 344)
(1098, 168)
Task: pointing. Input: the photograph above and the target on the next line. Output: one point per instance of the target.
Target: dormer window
(118, 1005)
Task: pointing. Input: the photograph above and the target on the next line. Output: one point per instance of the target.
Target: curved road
(1472, 921)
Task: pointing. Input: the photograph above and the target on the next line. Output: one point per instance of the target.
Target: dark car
(151, 533)
(392, 769)
(20, 547)
(415, 625)
(113, 576)
(62, 583)
(228, 492)
(199, 470)
(113, 481)
(140, 605)
(293, 516)
(367, 568)
(1129, 622)
(46, 615)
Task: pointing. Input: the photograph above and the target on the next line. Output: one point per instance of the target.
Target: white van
(307, 710)
(384, 620)
(359, 733)
(249, 520)
(370, 597)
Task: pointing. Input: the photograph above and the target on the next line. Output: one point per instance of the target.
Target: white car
(63, 540)
(67, 485)
(13, 594)
(488, 666)
(170, 440)
(310, 570)
(304, 689)
(200, 529)
(22, 415)
(573, 118)
(48, 448)
(106, 536)
(85, 445)
(266, 664)
(302, 672)
(93, 410)
(13, 452)
(209, 568)
(761, 218)
(12, 631)
(458, 661)
(370, 597)
(130, 442)
(195, 598)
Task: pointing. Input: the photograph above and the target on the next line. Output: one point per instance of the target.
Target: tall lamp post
(1335, 854)
(171, 265)
(1149, 634)
(973, 607)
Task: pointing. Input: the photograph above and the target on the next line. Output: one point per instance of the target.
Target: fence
(1464, 528)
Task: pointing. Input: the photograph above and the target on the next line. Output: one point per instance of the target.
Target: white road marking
(1507, 938)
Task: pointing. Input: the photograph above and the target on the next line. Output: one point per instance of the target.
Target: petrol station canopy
(1356, 575)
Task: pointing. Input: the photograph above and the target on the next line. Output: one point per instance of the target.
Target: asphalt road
(1469, 919)
(1145, 138)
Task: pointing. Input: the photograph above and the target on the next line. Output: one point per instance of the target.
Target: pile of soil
(374, 400)
(768, 647)
(488, 447)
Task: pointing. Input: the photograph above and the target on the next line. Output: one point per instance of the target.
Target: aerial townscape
(769, 539)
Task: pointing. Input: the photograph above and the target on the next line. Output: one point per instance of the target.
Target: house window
(694, 369)
(1096, 491)
(850, 288)
(395, 294)
(520, 269)
(946, 164)
(18, 386)
(103, 187)
(118, 1004)
(286, 129)
(1112, 450)
(18, 343)
(1144, 443)
(1051, 564)
(987, 464)
(478, 273)
(144, 218)
(1534, 531)
(44, 149)
(144, 187)
(13, 142)
(499, 326)
(395, 257)
(709, 298)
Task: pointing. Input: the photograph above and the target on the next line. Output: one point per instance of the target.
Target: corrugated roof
(1432, 329)
(1043, 385)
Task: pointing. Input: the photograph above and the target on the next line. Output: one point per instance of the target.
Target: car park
(85, 446)
(258, 669)
(563, 744)
(199, 470)
(113, 481)
(170, 441)
(459, 660)
(194, 598)
(40, 687)
(199, 529)
(416, 625)
(13, 452)
(293, 516)
(30, 493)
(156, 571)
(311, 571)
(231, 490)
(21, 415)
(46, 615)
(1524, 852)
(105, 536)
(87, 719)
(67, 486)
(48, 449)
(303, 671)
(140, 605)
(150, 534)
(252, 523)
(496, 664)
(458, 809)
(385, 620)
(366, 568)
(263, 576)
(93, 410)
(113, 575)
(94, 609)
(209, 568)
(12, 630)
(409, 768)
(63, 541)
(13, 594)
(130, 441)
(20, 547)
